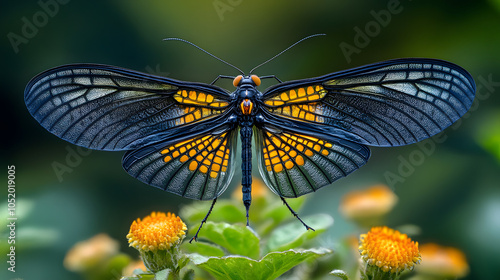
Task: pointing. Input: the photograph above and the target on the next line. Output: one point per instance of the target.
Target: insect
(182, 136)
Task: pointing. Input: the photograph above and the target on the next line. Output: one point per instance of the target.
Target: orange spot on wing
(216, 167)
(193, 165)
(299, 160)
(203, 169)
(278, 167)
(309, 153)
(302, 92)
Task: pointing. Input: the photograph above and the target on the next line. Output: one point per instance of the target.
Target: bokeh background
(450, 189)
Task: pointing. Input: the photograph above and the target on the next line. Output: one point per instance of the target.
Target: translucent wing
(110, 108)
(293, 164)
(391, 103)
(200, 167)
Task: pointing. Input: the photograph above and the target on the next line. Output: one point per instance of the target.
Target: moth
(182, 137)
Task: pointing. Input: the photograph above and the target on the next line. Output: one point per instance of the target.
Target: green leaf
(269, 267)
(139, 271)
(183, 261)
(340, 274)
(347, 256)
(236, 239)
(163, 274)
(129, 278)
(275, 212)
(293, 235)
(139, 274)
(279, 212)
(203, 248)
(224, 211)
(188, 275)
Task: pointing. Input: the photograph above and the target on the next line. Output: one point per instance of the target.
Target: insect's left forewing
(293, 164)
(110, 108)
(391, 103)
(199, 167)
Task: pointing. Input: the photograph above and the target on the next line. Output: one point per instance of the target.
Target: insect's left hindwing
(199, 167)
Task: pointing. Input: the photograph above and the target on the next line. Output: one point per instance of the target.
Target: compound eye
(237, 80)
(256, 80)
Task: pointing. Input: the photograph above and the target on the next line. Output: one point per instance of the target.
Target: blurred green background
(451, 192)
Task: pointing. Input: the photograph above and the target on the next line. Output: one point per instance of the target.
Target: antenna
(219, 59)
(303, 39)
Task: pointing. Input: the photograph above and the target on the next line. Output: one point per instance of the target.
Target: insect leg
(195, 237)
(295, 214)
(271, 77)
(222, 77)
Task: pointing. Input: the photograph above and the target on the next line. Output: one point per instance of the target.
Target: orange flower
(157, 237)
(388, 250)
(158, 231)
(373, 202)
(443, 261)
(87, 254)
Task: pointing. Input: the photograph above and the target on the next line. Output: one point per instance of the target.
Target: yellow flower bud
(385, 250)
(442, 261)
(157, 238)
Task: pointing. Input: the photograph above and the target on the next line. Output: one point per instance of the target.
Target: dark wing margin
(390, 103)
(200, 167)
(293, 164)
(110, 108)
